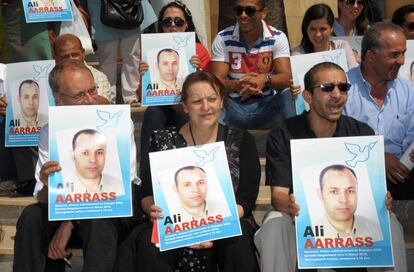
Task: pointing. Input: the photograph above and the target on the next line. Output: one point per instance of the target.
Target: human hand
(388, 201)
(295, 89)
(255, 80)
(395, 170)
(195, 61)
(57, 247)
(48, 168)
(3, 105)
(143, 67)
(203, 245)
(155, 212)
(293, 207)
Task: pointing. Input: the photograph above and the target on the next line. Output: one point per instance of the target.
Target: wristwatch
(268, 79)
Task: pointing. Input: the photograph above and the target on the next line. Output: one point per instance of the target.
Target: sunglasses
(352, 2)
(249, 10)
(167, 21)
(328, 87)
(410, 26)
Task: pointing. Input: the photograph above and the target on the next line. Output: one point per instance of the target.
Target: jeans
(258, 112)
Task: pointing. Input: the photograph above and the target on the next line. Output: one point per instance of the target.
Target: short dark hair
(401, 13)
(203, 76)
(309, 79)
(335, 167)
(55, 74)
(167, 50)
(372, 39)
(315, 12)
(83, 131)
(186, 168)
(27, 81)
(411, 68)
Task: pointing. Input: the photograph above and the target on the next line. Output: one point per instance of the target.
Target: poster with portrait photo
(36, 11)
(93, 150)
(168, 57)
(302, 63)
(28, 99)
(193, 188)
(343, 220)
(407, 70)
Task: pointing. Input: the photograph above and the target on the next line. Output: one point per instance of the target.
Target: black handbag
(123, 14)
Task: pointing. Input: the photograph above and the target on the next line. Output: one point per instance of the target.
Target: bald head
(68, 46)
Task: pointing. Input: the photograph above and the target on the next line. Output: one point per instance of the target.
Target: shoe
(8, 188)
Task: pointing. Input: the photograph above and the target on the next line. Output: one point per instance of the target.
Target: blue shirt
(339, 30)
(392, 119)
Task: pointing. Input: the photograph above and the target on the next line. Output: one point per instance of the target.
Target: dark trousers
(403, 190)
(230, 254)
(99, 239)
(18, 164)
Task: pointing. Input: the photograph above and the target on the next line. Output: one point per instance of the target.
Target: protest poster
(93, 148)
(193, 188)
(343, 220)
(168, 57)
(407, 70)
(28, 99)
(302, 63)
(36, 11)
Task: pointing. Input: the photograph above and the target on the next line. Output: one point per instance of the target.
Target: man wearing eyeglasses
(42, 245)
(68, 46)
(251, 58)
(326, 92)
(385, 101)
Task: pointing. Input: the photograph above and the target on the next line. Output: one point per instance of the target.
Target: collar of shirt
(267, 32)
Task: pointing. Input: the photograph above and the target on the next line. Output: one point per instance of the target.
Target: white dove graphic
(205, 156)
(334, 59)
(360, 154)
(108, 119)
(180, 41)
(41, 71)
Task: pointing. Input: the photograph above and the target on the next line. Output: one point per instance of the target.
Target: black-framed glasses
(167, 21)
(410, 26)
(352, 2)
(81, 95)
(249, 10)
(329, 87)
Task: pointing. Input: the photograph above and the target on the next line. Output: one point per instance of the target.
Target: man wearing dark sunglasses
(326, 92)
(251, 58)
(383, 100)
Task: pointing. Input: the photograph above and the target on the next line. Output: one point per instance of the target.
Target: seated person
(251, 59)
(326, 91)
(404, 17)
(352, 19)
(202, 98)
(41, 245)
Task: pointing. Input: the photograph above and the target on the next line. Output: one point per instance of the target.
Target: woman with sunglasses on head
(317, 27)
(203, 97)
(352, 19)
(173, 17)
(404, 17)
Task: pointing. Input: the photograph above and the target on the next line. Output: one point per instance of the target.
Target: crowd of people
(246, 83)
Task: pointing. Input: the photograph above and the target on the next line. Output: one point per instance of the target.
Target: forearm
(42, 195)
(281, 203)
(146, 204)
(280, 81)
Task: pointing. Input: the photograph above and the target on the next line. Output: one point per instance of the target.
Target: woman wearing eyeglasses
(317, 27)
(203, 97)
(404, 17)
(173, 17)
(352, 19)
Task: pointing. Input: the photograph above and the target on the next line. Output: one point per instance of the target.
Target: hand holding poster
(343, 220)
(28, 98)
(93, 150)
(302, 63)
(193, 188)
(168, 57)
